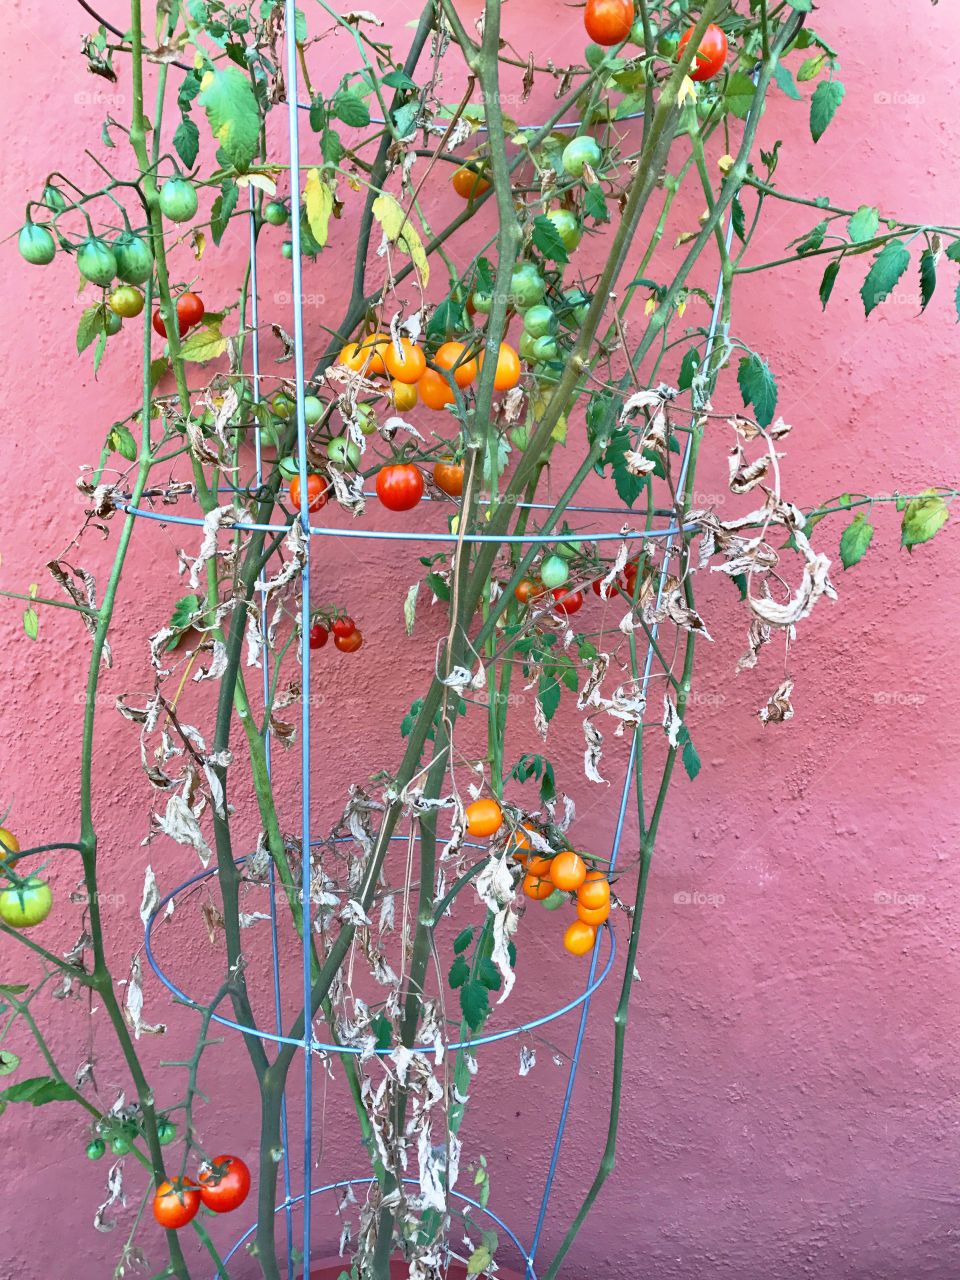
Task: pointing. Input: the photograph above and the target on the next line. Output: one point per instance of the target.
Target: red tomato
(176, 1203)
(316, 492)
(318, 635)
(350, 643)
(190, 311)
(608, 21)
(343, 627)
(224, 1183)
(448, 476)
(567, 602)
(711, 55)
(399, 486)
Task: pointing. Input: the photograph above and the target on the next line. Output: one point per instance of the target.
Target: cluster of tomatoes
(223, 1185)
(545, 874)
(612, 22)
(555, 572)
(25, 901)
(346, 636)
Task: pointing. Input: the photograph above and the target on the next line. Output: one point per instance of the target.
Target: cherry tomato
(190, 311)
(8, 843)
(710, 56)
(224, 1183)
(453, 357)
(126, 301)
(276, 213)
(24, 905)
(399, 486)
(568, 871)
(407, 365)
(579, 152)
(434, 390)
(166, 1132)
(526, 590)
(593, 915)
(318, 635)
(567, 602)
(350, 643)
(554, 571)
(484, 817)
(537, 888)
(343, 627)
(580, 937)
(508, 368)
(366, 356)
(448, 476)
(405, 396)
(178, 199)
(608, 21)
(469, 182)
(316, 492)
(568, 228)
(176, 1203)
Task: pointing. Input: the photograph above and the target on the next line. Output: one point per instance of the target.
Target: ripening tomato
(593, 915)
(567, 602)
(448, 476)
(407, 365)
(710, 56)
(190, 311)
(8, 843)
(508, 368)
(536, 888)
(468, 181)
(399, 486)
(176, 1203)
(126, 301)
(316, 492)
(224, 1183)
(318, 635)
(594, 892)
(404, 395)
(24, 905)
(527, 590)
(580, 937)
(343, 627)
(350, 643)
(568, 871)
(484, 817)
(366, 356)
(453, 357)
(540, 865)
(608, 21)
(434, 390)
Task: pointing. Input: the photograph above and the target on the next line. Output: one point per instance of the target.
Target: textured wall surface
(792, 1080)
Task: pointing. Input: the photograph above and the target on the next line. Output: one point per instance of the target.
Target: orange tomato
(536, 888)
(508, 368)
(408, 364)
(580, 937)
(568, 871)
(176, 1203)
(316, 491)
(366, 356)
(520, 844)
(448, 476)
(404, 396)
(595, 915)
(608, 21)
(8, 843)
(468, 182)
(540, 866)
(526, 589)
(451, 357)
(484, 817)
(594, 892)
(434, 390)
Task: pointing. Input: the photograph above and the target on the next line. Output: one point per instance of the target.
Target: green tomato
(667, 46)
(527, 286)
(569, 549)
(282, 406)
(276, 213)
(312, 409)
(36, 244)
(23, 906)
(112, 322)
(525, 346)
(53, 198)
(289, 466)
(366, 419)
(286, 249)
(554, 572)
(636, 33)
(545, 348)
(539, 321)
(482, 301)
(342, 451)
(96, 262)
(178, 199)
(120, 1144)
(96, 1149)
(166, 1132)
(134, 259)
(568, 228)
(269, 434)
(579, 303)
(581, 151)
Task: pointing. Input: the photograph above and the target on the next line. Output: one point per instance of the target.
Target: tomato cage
(297, 1169)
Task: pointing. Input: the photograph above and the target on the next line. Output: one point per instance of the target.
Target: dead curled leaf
(779, 706)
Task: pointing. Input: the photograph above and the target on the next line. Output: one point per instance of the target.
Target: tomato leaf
(785, 82)
(689, 755)
(121, 440)
(488, 973)
(923, 519)
(38, 1090)
(811, 68)
(824, 106)
(928, 277)
(758, 387)
(629, 487)
(223, 207)
(399, 80)
(186, 141)
(595, 203)
(864, 224)
(855, 540)
(740, 94)
(350, 108)
(953, 251)
(463, 940)
(474, 1004)
(828, 281)
(318, 201)
(459, 973)
(813, 240)
(227, 97)
(90, 326)
(738, 218)
(204, 344)
(546, 237)
(688, 368)
(888, 266)
(31, 622)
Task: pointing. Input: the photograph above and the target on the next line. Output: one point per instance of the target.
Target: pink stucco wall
(791, 1095)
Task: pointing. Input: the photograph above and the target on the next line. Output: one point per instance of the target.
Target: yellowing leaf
(199, 244)
(318, 199)
(686, 92)
(398, 231)
(204, 344)
(262, 180)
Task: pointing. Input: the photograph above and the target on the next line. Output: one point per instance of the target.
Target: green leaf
(463, 940)
(548, 691)
(382, 1028)
(449, 318)
(758, 387)
(8, 1062)
(888, 266)
(398, 80)
(489, 974)
(31, 622)
(38, 1090)
(688, 369)
(689, 755)
(223, 207)
(158, 368)
(740, 94)
(801, 6)
(928, 277)
(474, 1004)
(479, 1260)
(186, 141)
(739, 218)
(459, 972)
(546, 237)
(812, 241)
(439, 587)
(204, 344)
(317, 115)
(828, 281)
(121, 440)
(595, 203)
(923, 519)
(953, 251)
(90, 326)
(98, 351)
(824, 106)
(855, 540)
(785, 82)
(350, 108)
(810, 69)
(864, 224)
(629, 487)
(233, 113)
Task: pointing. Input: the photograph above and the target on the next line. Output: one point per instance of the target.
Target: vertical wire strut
(290, 24)
(274, 941)
(621, 817)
